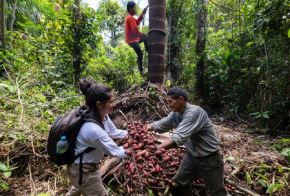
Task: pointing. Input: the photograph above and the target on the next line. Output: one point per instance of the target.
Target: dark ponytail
(94, 92)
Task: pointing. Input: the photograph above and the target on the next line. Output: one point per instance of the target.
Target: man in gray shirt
(195, 131)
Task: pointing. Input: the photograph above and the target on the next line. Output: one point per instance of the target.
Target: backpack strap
(87, 150)
(87, 117)
(80, 155)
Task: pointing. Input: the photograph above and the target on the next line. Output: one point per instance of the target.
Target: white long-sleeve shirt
(92, 135)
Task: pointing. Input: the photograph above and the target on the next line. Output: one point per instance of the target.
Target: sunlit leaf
(248, 178)
(263, 182)
(150, 192)
(228, 54)
(266, 115)
(272, 188)
(7, 174)
(286, 153)
(249, 44)
(3, 167)
(10, 88)
(4, 186)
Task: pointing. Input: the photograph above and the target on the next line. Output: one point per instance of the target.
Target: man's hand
(148, 127)
(167, 144)
(128, 152)
(144, 11)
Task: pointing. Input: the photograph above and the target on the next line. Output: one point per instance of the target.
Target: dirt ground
(242, 153)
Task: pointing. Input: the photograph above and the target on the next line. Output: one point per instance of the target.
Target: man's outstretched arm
(141, 17)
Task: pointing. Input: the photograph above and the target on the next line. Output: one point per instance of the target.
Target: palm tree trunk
(200, 49)
(2, 25)
(13, 15)
(156, 40)
(77, 56)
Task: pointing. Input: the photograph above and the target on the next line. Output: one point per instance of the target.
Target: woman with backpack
(97, 135)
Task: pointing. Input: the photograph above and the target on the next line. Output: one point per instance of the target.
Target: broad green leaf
(7, 174)
(3, 167)
(150, 192)
(249, 44)
(4, 85)
(266, 115)
(228, 54)
(248, 178)
(288, 33)
(286, 153)
(263, 182)
(11, 88)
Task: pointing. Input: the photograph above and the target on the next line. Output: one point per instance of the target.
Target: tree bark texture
(156, 40)
(200, 49)
(77, 55)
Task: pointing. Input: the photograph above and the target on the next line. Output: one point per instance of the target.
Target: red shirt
(132, 34)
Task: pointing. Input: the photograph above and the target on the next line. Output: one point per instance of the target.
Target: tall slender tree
(2, 24)
(77, 55)
(200, 49)
(175, 23)
(13, 15)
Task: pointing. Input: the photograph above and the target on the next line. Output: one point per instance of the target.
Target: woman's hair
(177, 92)
(94, 92)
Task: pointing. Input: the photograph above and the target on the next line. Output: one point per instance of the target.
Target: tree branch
(241, 188)
(222, 6)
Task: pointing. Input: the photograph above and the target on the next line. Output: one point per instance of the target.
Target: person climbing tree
(132, 34)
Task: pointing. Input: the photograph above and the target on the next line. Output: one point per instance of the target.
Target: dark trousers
(137, 49)
(210, 168)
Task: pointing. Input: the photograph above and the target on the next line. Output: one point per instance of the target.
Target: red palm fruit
(157, 168)
(130, 141)
(158, 152)
(147, 154)
(166, 158)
